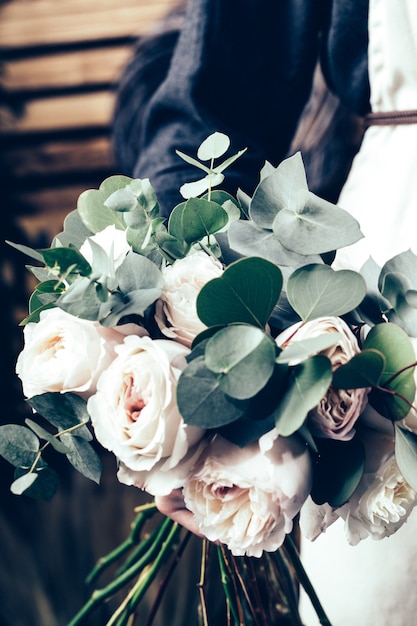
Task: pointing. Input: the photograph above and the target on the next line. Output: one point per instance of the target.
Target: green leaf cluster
(65, 431)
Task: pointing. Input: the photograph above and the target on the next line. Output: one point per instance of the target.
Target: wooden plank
(47, 208)
(60, 157)
(65, 70)
(26, 23)
(88, 110)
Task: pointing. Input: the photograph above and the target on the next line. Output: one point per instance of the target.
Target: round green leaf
(307, 384)
(200, 400)
(395, 345)
(363, 370)
(301, 350)
(338, 469)
(195, 219)
(213, 147)
(18, 445)
(317, 290)
(246, 292)
(245, 358)
(92, 209)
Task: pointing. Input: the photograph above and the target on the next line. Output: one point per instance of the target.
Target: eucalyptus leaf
(34, 254)
(196, 219)
(75, 232)
(278, 191)
(245, 430)
(246, 292)
(81, 299)
(317, 290)
(396, 288)
(311, 225)
(228, 162)
(338, 469)
(42, 433)
(250, 240)
(300, 350)
(21, 484)
(64, 411)
(18, 445)
(122, 200)
(245, 358)
(363, 370)
(191, 161)
(200, 400)
(213, 147)
(66, 259)
(198, 187)
(406, 454)
(306, 386)
(44, 486)
(95, 215)
(397, 388)
(82, 456)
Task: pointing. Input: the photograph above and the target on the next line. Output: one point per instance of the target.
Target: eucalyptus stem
(100, 595)
(47, 443)
(144, 513)
(304, 580)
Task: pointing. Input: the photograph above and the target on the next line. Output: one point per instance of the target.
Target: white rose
(176, 313)
(135, 415)
(383, 507)
(247, 497)
(380, 504)
(112, 240)
(64, 353)
(336, 414)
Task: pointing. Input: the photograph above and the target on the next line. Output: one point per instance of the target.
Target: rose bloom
(65, 353)
(247, 497)
(336, 414)
(176, 313)
(383, 507)
(135, 415)
(380, 504)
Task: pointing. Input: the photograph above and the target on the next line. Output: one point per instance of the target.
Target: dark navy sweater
(245, 67)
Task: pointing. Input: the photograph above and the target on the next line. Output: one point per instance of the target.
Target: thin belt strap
(391, 118)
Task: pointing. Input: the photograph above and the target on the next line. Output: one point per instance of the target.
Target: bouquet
(239, 379)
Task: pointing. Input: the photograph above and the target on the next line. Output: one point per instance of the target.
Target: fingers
(173, 506)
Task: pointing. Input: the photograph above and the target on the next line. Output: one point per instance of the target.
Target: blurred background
(60, 63)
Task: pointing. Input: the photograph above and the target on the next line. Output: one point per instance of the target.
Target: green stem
(100, 595)
(304, 580)
(144, 513)
(202, 581)
(144, 582)
(47, 443)
(227, 582)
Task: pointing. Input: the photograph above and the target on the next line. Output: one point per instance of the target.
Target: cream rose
(176, 313)
(135, 415)
(383, 507)
(64, 353)
(336, 414)
(380, 504)
(247, 497)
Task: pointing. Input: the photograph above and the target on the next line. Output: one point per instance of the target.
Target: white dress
(374, 583)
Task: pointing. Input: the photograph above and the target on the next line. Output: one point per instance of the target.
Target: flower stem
(144, 513)
(304, 580)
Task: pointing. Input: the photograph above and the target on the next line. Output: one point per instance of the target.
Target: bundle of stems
(257, 592)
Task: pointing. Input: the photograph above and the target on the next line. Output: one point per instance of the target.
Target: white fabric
(381, 190)
(374, 582)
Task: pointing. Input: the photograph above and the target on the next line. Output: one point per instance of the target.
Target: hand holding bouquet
(237, 393)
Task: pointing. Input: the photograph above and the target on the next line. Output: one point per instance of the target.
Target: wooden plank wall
(59, 61)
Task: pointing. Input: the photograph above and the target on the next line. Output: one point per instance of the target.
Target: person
(246, 68)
